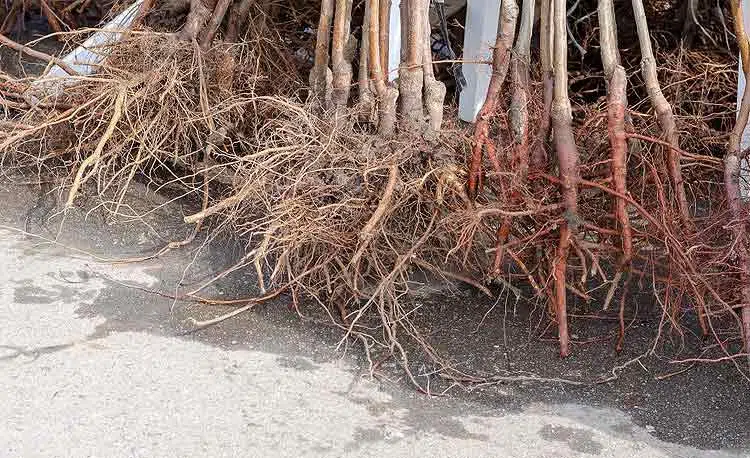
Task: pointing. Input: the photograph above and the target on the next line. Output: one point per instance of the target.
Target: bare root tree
(617, 106)
(519, 120)
(663, 110)
(567, 159)
(500, 63)
(349, 206)
(732, 167)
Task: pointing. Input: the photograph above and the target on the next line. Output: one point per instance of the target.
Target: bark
(237, 19)
(387, 95)
(608, 37)
(200, 12)
(404, 30)
(539, 155)
(739, 32)
(434, 90)
(616, 107)
(385, 19)
(321, 77)
(411, 77)
(366, 94)
(519, 114)
(215, 22)
(342, 66)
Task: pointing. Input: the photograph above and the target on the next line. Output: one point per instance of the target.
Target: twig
(672, 374)
(200, 325)
(617, 369)
(710, 361)
(483, 381)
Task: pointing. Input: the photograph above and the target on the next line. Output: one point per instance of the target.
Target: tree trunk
(342, 66)
(434, 90)
(321, 77)
(411, 76)
(539, 154)
(387, 95)
(200, 13)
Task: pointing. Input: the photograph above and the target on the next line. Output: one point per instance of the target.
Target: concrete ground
(92, 365)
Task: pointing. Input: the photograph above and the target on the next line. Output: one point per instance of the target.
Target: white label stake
(481, 31)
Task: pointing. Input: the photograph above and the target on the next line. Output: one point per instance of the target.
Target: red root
(618, 140)
(500, 63)
(502, 236)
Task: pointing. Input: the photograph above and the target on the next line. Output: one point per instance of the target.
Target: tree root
(618, 139)
(93, 159)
